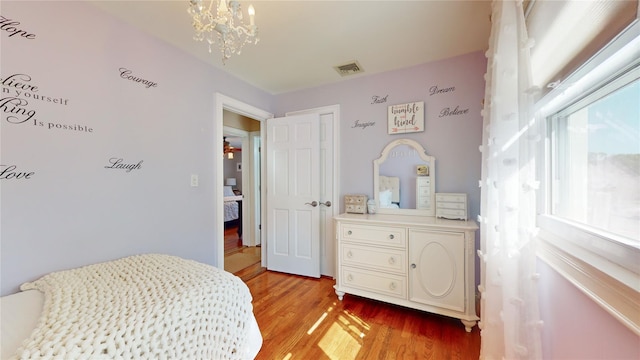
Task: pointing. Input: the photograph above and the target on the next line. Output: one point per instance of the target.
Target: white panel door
(293, 187)
(327, 179)
(328, 135)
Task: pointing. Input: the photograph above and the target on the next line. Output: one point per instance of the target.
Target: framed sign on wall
(405, 118)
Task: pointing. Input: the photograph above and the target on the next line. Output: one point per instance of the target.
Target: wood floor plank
(302, 318)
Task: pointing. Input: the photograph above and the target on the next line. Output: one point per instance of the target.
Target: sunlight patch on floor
(320, 320)
(357, 321)
(315, 326)
(343, 339)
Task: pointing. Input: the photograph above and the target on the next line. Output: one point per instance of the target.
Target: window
(590, 195)
(595, 160)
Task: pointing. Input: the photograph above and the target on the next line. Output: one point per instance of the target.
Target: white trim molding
(612, 294)
(223, 102)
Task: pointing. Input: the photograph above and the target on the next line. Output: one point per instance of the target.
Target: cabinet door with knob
(436, 270)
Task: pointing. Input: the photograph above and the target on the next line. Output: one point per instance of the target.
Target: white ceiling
(301, 41)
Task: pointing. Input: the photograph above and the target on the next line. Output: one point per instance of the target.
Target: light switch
(194, 180)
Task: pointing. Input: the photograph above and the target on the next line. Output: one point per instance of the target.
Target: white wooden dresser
(421, 262)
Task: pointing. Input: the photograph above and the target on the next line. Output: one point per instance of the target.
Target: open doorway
(233, 191)
(241, 126)
(241, 174)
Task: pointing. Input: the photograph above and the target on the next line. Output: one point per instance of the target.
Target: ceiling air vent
(349, 68)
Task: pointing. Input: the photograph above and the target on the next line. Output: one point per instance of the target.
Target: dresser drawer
(449, 197)
(424, 191)
(355, 209)
(355, 199)
(423, 203)
(379, 235)
(450, 205)
(381, 283)
(382, 259)
(452, 214)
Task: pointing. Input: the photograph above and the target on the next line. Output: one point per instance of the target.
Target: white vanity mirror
(404, 179)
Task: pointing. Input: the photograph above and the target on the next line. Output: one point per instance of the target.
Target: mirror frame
(431, 211)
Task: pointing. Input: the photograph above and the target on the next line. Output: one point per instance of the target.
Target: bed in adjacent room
(140, 307)
(232, 209)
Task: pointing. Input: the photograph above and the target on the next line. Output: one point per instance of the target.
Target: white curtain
(510, 324)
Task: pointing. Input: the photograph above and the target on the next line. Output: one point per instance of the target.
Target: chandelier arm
(244, 30)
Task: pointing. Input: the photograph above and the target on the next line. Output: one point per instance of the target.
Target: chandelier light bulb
(222, 9)
(252, 14)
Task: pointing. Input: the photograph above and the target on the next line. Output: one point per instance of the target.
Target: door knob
(326, 203)
(313, 203)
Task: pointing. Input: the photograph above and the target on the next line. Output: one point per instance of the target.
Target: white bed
(231, 204)
(231, 210)
(26, 324)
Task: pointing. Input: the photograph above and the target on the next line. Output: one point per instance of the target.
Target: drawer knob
(349, 254)
(392, 286)
(392, 261)
(349, 232)
(413, 266)
(349, 277)
(391, 236)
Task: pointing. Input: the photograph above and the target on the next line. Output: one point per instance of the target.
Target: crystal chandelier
(222, 19)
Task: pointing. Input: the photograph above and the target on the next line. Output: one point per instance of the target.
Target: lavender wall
(75, 116)
(452, 138)
(575, 327)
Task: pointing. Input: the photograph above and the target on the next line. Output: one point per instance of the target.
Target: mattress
(20, 312)
(231, 211)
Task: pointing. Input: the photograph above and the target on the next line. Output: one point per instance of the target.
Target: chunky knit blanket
(141, 307)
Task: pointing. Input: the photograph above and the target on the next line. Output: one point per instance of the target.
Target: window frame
(604, 266)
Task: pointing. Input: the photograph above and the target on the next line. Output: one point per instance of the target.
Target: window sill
(613, 287)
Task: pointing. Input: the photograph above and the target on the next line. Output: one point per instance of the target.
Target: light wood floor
(232, 245)
(301, 318)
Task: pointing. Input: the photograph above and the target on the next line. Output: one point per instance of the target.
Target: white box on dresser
(421, 262)
(451, 205)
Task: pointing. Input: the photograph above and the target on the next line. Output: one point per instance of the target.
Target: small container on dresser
(451, 206)
(371, 206)
(355, 204)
